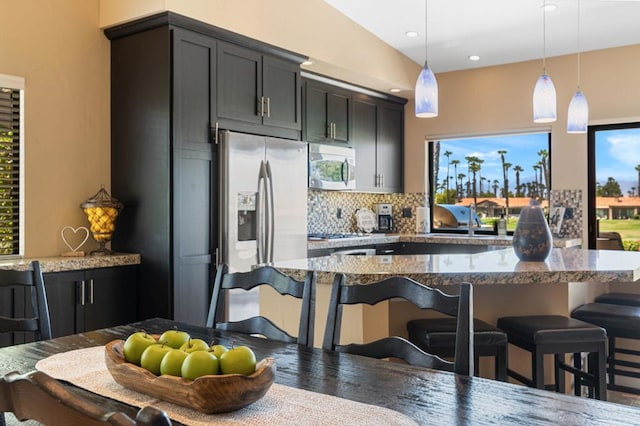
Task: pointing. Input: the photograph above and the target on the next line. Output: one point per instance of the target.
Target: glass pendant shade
(426, 94)
(544, 100)
(578, 114)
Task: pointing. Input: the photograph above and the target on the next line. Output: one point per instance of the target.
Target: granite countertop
(490, 240)
(490, 267)
(64, 263)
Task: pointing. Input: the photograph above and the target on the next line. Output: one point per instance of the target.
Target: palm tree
(638, 170)
(455, 174)
(544, 157)
(461, 176)
(482, 179)
(496, 185)
(536, 167)
(505, 181)
(475, 168)
(518, 169)
(447, 154)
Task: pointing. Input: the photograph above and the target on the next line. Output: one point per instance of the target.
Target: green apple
(135, 344)
(152, 357)
(218, 350)
(199, 363)
(193, 345)
(238, 360)
(172, 362)
(174, 338)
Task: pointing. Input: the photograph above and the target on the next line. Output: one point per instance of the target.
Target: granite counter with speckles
(64, 263)
(490, 267)
(454, 239)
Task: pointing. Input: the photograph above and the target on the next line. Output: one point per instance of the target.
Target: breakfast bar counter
(502, 285)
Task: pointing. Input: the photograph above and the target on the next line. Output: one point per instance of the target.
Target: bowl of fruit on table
(190, 372)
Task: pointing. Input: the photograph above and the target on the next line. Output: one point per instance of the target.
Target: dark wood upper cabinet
(327, 113)
(257, 89)
(378, 134)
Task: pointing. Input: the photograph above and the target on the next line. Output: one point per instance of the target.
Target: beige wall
(57, 47)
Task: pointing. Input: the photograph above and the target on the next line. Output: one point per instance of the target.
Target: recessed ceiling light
(474, 58)
(549, 7)
(411, 34)
(307, 63)
(394, 90)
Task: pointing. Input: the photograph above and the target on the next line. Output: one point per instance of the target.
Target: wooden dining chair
(32, 308)
(422, 296)
(38, 396)
(259, 325)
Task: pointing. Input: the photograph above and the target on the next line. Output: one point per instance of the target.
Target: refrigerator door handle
(261, 213)
(270, 214)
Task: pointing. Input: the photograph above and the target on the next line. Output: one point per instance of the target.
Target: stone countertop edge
(64, 263)
(491, 240)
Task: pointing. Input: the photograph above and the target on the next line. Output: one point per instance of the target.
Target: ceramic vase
(532, 240)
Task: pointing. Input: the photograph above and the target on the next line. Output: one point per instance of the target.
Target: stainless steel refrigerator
(263, 201)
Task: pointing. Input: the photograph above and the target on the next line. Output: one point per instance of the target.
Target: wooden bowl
(207, 394)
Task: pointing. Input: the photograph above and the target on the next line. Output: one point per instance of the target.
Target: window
(614, 185)
(11, 165)
(498, 175)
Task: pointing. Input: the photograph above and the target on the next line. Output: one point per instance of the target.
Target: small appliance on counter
(384, 217)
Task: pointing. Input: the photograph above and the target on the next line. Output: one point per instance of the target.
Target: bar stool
(559, 335)
(620, 321)
(629, 299)
(438, 336)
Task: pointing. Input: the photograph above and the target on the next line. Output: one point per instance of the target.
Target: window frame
(430, 173)
(592, 218)
(18, 83)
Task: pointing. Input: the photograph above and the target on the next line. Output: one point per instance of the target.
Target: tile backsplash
(324, 207)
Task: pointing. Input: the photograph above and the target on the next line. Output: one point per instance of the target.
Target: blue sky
(617, 155)
(521, 150)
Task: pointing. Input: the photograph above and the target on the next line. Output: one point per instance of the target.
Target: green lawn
(629, 229)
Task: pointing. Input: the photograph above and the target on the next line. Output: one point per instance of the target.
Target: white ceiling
(500, 31)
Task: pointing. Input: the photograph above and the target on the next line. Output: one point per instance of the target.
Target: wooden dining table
(428, 397)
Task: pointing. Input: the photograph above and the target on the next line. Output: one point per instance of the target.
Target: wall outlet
(339, 213)
(406, 212)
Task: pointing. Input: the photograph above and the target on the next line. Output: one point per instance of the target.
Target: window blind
(10, 126)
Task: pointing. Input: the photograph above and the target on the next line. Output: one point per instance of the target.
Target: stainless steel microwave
(332, 167)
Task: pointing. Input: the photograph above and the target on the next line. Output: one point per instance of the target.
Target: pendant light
(578, 114)
(544, 93)
(426, 96)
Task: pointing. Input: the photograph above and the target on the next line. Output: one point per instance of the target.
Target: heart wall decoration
(71, 235)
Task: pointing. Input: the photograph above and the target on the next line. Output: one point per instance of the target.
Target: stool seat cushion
(441, 332)
(549, 329)
(630, 299)
(618, 320)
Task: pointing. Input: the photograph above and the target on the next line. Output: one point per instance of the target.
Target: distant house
(617, 207)
(494, 207)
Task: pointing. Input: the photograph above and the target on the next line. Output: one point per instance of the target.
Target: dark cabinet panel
(365, 119)
(165, 79)
(239, 84)
(327, 113)
(282, 91)
(389, 147)
(88, 300)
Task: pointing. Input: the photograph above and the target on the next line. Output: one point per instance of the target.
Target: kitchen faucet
(470, 222)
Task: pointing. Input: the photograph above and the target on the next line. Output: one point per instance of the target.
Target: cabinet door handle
(261, 108)
(382, 180)
(82, 292)
(91, 291)
(268, 106)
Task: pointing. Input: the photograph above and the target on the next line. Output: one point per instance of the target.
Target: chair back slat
(38, 320)
(422, 296)
(38, 396)
(283, 284)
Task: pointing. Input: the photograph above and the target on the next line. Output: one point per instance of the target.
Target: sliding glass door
(614, 186)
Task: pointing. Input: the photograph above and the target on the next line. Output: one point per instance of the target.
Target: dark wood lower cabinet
(91, 299)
